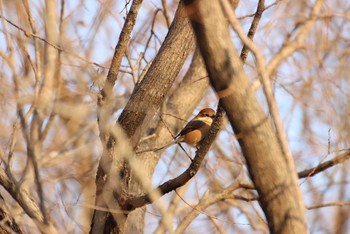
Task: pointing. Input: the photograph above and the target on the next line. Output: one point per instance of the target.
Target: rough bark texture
(8, 224)
(275, 180)
(183, 100)
(180, 104)
(151, 91)
(135, 118)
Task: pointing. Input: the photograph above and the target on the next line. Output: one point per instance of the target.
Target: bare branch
(325, 165)
(120, 51)
(166, 13)
(50, 43)
(25, 201)
(173, 184)
(233, 88)
(346, 203)
(8, 223)
(297, 42)
(253, 27)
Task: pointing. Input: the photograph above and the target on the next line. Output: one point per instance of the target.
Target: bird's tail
(175, 141)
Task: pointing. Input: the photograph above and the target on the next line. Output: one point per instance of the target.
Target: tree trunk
(146, 99)
(275, 179)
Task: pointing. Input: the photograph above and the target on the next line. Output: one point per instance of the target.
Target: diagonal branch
(324, 166)
(132, 203)
(146, 98)
(252, 30)
(225, 69)
(105, 100)
(173, 184)
(26, 202)
(345, 203)
(294, 43)
(50, 43)
(120, 49)
(314, 170)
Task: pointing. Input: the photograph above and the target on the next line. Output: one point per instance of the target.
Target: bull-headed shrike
(195, 130)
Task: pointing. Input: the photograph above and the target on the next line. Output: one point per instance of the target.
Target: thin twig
(346, 203)
(323, 166)
(131, 203)
(30, 34)
(294, 43)
(166, 13)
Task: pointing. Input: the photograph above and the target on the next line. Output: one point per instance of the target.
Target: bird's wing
(192, 125)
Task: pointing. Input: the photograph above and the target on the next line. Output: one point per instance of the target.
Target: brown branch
(264, 9)
(8, 223)
(37, 178)
(166, 13)
(173, 184)
(267, 88)
(295, 43)
(225, 69)
(146, 98)
(150, 93)
(323, 166)
(151, 35)
(252, 30)
(105, 100)
(207, 200)
(26, 202)
(312, 171)
(34, 35)
(346, 203)
(119, 51)
(247, 199)
(131, 203)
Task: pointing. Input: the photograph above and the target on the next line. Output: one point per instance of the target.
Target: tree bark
(8, 223)
(274, 178)
(181, 104)
(115, 175)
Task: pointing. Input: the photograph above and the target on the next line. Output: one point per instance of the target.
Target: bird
(195, 130)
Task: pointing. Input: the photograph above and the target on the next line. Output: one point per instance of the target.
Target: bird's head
(207, 115)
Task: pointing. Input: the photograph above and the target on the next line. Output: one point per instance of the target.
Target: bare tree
(90, 89)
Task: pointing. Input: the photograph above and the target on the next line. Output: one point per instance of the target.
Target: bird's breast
(196, 135)
(193, 137)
